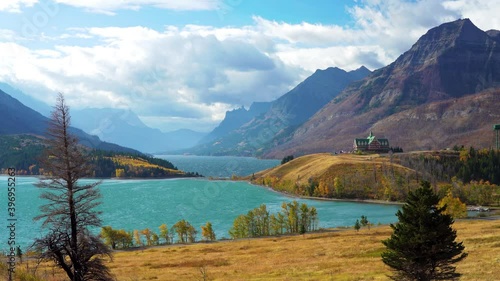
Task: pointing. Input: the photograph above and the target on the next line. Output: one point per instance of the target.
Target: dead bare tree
(71, 208)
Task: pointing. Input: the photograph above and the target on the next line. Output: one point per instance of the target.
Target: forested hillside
(23, 152)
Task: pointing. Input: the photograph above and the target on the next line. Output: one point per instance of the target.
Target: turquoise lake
(220, 167)
(139, 204)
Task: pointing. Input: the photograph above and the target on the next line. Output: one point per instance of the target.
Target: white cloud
(193, 74)
(382, 30)
(170, 75)
(7, 35)
(14, 6)
(484, 14)
(109, 6)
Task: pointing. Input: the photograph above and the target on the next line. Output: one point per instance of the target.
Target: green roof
(370, 139)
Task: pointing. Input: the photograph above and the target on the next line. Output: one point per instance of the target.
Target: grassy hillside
(332, 255)
(341, 176)
(317, 165)
(471, 175)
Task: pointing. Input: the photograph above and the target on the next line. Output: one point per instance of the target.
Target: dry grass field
(332, 255)
(323, 165)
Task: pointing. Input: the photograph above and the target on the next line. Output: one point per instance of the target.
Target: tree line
(293, 218)
(182, 230)
(21, 151)
(110, 164)
(465, 164)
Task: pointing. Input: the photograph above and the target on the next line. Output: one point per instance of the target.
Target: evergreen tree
(357, 226)
(423, 245)
(364, 221)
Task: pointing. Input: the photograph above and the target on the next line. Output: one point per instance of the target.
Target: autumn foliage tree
(164, 233)
(293, 218)
(70, 211)
(453, 206)
(207, 232)
(185, 231)
(116, 238)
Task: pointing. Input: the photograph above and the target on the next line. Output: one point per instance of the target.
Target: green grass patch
(375, 253)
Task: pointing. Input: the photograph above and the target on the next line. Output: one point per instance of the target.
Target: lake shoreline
(367, 201)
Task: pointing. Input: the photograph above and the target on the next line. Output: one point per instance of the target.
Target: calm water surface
(220, 166)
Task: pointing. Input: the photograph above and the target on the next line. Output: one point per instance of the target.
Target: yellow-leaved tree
(454, 206)
(207, 232)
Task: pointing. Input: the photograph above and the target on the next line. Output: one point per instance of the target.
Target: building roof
(370, 139)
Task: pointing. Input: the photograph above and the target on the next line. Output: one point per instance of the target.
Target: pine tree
(70, 213)
(357, 226)
(423, 245)
(364, 221)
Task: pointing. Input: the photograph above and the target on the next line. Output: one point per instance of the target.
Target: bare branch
(71, 208)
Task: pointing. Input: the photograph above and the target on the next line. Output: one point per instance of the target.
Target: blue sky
(183, 64)
(233, 12)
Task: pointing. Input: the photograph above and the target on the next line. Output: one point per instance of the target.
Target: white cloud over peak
(484, 14)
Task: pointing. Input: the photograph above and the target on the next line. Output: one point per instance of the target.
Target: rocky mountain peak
(439, 39)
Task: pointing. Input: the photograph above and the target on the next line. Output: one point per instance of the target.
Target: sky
(184, 63)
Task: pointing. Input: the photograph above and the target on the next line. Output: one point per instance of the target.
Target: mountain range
(444, 91)
(120, 126)
(264, 125)
(236, 118)
(124, 127)
(20, 119)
